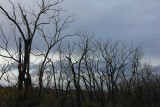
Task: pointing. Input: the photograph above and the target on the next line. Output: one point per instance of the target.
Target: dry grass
(10, 97)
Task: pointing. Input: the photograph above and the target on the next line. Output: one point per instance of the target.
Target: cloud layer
(132, 21)
(135, 21)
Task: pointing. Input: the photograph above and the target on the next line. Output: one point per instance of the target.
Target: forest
(57, 69)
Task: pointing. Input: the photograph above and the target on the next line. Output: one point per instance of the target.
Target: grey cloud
(134, 21)
(131, 21)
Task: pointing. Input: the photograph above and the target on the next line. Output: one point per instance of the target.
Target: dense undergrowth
(140, 97)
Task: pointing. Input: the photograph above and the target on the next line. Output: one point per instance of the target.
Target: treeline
(91, 73)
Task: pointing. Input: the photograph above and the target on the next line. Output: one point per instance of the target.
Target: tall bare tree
(44, 22)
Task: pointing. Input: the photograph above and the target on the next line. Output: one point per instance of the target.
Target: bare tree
(53, 38)
(29, 24)
(115, 58)
(76, 63)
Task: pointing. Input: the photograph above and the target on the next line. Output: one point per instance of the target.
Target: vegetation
(86, 72)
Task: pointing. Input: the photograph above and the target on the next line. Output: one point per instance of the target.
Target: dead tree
(28, 23)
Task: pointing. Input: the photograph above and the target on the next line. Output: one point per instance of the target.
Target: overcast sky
(132, 21)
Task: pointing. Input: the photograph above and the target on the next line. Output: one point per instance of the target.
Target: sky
(132, 21)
